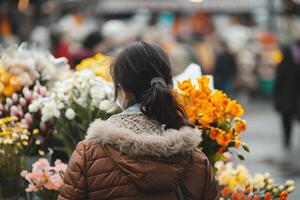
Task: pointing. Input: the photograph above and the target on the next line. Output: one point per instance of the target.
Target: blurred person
(225, 71)
(149, 151)
(287, 92)
(61, 47)
(93, 43)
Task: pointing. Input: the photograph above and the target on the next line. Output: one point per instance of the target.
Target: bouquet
(237, 184)
(18, 106)
(215, 114)
(99, 64)
(73, 104)
(15, 143)
(24, 65)
(44, 179)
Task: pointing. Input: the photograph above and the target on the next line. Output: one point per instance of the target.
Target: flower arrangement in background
(215, 114)
(24, 65)
(9, 83)
(73, 104)
(99, 64)
(18, 106)
(237, 184)
(16, 141)
(44, 179)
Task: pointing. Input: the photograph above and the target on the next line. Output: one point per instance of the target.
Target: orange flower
(236, 196)
(186, 87)
(234, 109)
(240, 125)
(223, 138)
(203, 84)
(255, 197)
(214, 132)
(284, 195)
(268, 196)
(225, 191)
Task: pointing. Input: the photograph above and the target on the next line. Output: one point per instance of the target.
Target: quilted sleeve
(210, 192)
(75, 185)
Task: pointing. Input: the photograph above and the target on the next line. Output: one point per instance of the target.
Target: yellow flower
(99, 64)
(186, 87)
(234, 109)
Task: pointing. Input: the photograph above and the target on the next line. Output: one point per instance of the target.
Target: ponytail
(159, 103)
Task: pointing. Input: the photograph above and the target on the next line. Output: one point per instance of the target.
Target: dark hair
(134, 68)
(92, 40)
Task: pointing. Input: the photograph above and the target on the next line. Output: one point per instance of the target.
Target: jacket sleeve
(75, 185)
(210, 192)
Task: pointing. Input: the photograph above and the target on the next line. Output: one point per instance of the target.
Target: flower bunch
(43, 176)
(98, 63)
(28, 64)
(16, 141)
(216, 114)
(238, 184)
(74, 103)
(8, 83)
(18, 106)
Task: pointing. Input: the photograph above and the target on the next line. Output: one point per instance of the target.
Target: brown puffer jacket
(130, 157)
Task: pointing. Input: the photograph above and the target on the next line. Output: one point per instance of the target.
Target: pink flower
(29, 118)
(23, 102)
(40, 165)
(31, 188)
(43, 126)
(14, 110)
(9, 101)
(24, 173)
(54, 182)
(27, 94)
(60, 166)
(15, 97)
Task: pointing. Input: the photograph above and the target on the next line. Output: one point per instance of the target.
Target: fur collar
(170, 142)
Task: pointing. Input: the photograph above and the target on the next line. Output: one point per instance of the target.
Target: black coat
(287, 84)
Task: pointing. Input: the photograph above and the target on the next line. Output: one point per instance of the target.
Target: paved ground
(264, 138)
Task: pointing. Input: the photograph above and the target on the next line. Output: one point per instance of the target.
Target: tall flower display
(215, 114)
(73, 104)
(16, 141)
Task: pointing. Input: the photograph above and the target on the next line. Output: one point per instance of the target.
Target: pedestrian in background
(287, 91)
(226, 70)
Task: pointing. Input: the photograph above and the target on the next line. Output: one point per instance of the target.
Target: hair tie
(158, 80)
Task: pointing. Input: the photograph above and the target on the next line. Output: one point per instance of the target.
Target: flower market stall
(47, 107)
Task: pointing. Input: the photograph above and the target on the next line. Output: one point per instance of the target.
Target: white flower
(291, 189)
(105, 105)
(33, 107)
(49, 111)
(258, 181)
(70, 113)
(97, 92)
(290, 182)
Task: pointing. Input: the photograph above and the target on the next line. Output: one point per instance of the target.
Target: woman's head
(142, 74)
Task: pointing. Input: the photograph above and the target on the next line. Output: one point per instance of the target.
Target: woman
(146, 152)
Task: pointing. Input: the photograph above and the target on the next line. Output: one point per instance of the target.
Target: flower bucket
(10, 188)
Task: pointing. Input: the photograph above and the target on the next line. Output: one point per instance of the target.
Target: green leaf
(241, 157)
(245, 147)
